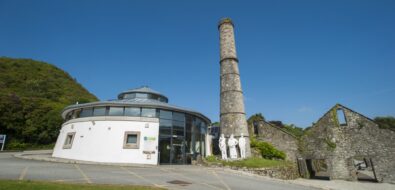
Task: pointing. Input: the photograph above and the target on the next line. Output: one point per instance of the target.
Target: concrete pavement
(171, 177)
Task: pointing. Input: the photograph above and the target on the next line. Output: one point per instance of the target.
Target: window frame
(131, 145)
(68, 146)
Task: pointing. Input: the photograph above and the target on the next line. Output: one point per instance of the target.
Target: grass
(252, 163)
(40, 185)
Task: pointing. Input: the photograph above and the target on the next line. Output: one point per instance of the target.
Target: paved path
(171, 177)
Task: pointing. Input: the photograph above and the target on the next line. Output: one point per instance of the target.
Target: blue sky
(297, 58)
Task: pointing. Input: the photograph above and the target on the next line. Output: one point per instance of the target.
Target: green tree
(32, 97)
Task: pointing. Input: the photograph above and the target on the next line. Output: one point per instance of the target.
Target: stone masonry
(338, 144)
(232, 116)
(279, 138)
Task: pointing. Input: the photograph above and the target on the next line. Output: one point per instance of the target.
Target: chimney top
(225, 20)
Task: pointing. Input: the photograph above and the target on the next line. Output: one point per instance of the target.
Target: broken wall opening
(364, 169)
(318, 169)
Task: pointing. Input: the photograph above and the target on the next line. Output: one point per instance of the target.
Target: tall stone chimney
(232, 117)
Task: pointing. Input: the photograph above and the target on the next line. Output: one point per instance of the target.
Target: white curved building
(139, 127)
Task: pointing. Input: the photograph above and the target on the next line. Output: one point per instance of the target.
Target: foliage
(255, 117)
(257, 163)
(32, 96)
(293, 129)
(211, 158)
(251, 162)
(331, 145)
(40, 185)
(386, 122)
(267, 150)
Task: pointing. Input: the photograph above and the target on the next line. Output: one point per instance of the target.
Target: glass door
(164, 149)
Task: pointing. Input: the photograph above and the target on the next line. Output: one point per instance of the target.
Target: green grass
(40, 185)
(251, 163)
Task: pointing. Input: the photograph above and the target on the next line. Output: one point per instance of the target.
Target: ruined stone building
(278, 137)
(344, 144)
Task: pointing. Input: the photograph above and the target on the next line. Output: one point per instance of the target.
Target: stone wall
(279, 138)
(339, 144)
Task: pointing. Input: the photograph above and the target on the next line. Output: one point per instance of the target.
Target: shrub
(211, 158)
(267, 150)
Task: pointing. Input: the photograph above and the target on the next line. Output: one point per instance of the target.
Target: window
(86, 112)
(132, 111)
(129, 96)
(131, 140)
(115, 111)
(76, 113)
(178, 116)
(99, 111)
(69, 140)
(141, 95)
(69, 115)
(147, 112)
(341, 117)
(165, 114)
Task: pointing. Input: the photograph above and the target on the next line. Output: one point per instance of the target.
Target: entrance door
(164, 149)
(178, 156)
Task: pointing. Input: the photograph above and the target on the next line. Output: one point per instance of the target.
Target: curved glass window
(115, 111)
(86, 112)
(99, 111)
(129, 96)
(148, 112)
(163, 114)
(141, 95)
(130, 111)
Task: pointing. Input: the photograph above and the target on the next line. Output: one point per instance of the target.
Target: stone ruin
(278, 137)
(344, 144)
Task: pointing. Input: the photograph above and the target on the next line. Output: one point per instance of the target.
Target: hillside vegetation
(32, 96)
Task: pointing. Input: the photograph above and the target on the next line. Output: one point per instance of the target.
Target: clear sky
(297, 58)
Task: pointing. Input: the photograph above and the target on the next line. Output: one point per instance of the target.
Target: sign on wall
(149, 146)
(2, 141)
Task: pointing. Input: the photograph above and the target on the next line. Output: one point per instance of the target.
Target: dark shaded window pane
(165, 127)
(115, 111)
(86, 112)
(178, 116)
(165, 114)
(132, 139)
(148, 112)
(129, 111)
(178, 128)
(99, 111)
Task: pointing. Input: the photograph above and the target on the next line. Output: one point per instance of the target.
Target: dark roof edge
(279, 128)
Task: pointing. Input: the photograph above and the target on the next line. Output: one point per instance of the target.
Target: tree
(254, 118)
(32, 97)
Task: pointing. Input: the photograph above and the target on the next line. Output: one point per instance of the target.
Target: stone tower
(232, 117)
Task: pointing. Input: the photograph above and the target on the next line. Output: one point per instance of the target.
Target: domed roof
(143, 89)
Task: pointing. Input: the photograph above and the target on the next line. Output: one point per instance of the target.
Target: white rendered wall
(102, 140)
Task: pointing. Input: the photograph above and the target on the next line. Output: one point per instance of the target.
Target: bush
(211, 158)
(267, 150)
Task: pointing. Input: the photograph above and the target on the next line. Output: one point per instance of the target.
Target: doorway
(172, 145)
(364, 168)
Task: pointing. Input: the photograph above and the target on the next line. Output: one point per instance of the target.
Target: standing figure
(242, 146)
(222, 147)
(232, 142)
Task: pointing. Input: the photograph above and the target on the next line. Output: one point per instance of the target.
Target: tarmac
(39, 165)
